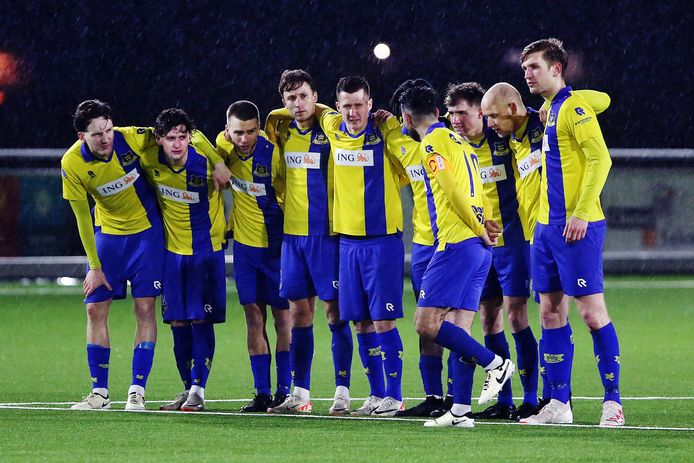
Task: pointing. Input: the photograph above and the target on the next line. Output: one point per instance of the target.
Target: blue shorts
(575, 268)
(137, 258)
(309, 267)
(509, 274)
(421, 255)
(194, 287)
(257, 275)
(455, 276)
(371, 272)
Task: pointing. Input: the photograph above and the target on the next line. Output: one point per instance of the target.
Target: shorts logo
(261, 171)
(157, 284)
(493, 174)
(416, 173)
(119, 184)
(208, 308)
(336, 284)
(389, 307)
(531, 163)
(581, 283)
(180, 196)
(355, 158)
(250, 188)
(302, 160)
(422, 294)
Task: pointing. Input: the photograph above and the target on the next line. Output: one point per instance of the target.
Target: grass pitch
(43, 369)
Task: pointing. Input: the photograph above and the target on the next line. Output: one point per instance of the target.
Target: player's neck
(179, 162)
(551, 92)
(424, 125)
(306, 124)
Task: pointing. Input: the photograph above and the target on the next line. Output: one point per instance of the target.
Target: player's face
(300, 102)
(354, 108)
(243, 134)
(99, 137)
(466, 119)
(540, 76)
(499, 117)
(175, 145)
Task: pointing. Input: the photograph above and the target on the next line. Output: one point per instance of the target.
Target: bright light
(382, 51)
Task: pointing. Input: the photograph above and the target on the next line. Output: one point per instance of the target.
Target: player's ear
(512, 108)
(371, 103)
(437, 113)
(315, 97)
(80, 135)
(158, 139)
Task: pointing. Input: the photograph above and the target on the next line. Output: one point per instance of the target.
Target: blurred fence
(648, 201)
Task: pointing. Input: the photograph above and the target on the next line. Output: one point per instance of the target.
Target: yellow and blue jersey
(308, 174)
(499, 174)
(526, 144)
(442, 148)
(192, 210)
(125, 201)
(258, 189)
(410, 157)
(367, 190)
(571, 121)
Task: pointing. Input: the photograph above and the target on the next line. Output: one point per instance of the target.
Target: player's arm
(586, 131)
(279, 177)
(95, 276)
(599, 101)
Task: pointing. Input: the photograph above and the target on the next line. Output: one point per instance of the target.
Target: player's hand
(575, 229)
(493, 228)
(221, 176)
(488, 240)
(94, 279)
(381, 116)
(543, 116)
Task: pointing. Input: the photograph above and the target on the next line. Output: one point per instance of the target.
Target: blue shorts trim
(309, 267)
(575, 268)
(456, 275)
(421, 255)
(138, 258)
(257, 276)
(371, 278)
(194, 287)
(509, 274)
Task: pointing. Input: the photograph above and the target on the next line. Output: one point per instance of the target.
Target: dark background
(142, 57)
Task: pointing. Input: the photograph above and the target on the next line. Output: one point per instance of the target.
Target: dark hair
(419, 101)
(243, 110)
(352, 84)
(552, 51)
(88, 110)
(471, 92)
(293, 79)
(395, 99)
(171, 118)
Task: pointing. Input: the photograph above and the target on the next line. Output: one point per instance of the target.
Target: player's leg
(260, 358)
(143, 352)
(526, 353)
(342, 348)
(182, 332)
(283, 328)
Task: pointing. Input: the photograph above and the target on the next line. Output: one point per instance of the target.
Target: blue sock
(391, 346)
(430, 366)
(558, 346)
(457, 340)
(463, 375)
(370, 353)
(342, 348)
(449, 367)
(546, 389)
(260, 366)
(498, 344)
(526, 354)
(302, 355)
(143, 355)
(606, 348)
(203, 352)
(98, 358)
(284, 371)
(183, 352)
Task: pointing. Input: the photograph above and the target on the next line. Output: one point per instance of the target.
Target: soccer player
(194, 284)
(257, 221)
(569, 235)
(508, 282)
(127, 243)
(453, 280)
(310, 249)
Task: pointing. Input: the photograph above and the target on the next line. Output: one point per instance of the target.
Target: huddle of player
(317, 212)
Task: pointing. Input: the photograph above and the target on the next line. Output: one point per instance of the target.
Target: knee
(97, 312)
(426, 328)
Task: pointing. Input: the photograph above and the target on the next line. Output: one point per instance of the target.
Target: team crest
(128, 158)
(319, 139)
(261, 171)
(535, 135)
(196, 180)
(500, 149)
(372, 139)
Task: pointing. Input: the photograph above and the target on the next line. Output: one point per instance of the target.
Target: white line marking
(646, 284)
(327, 417)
